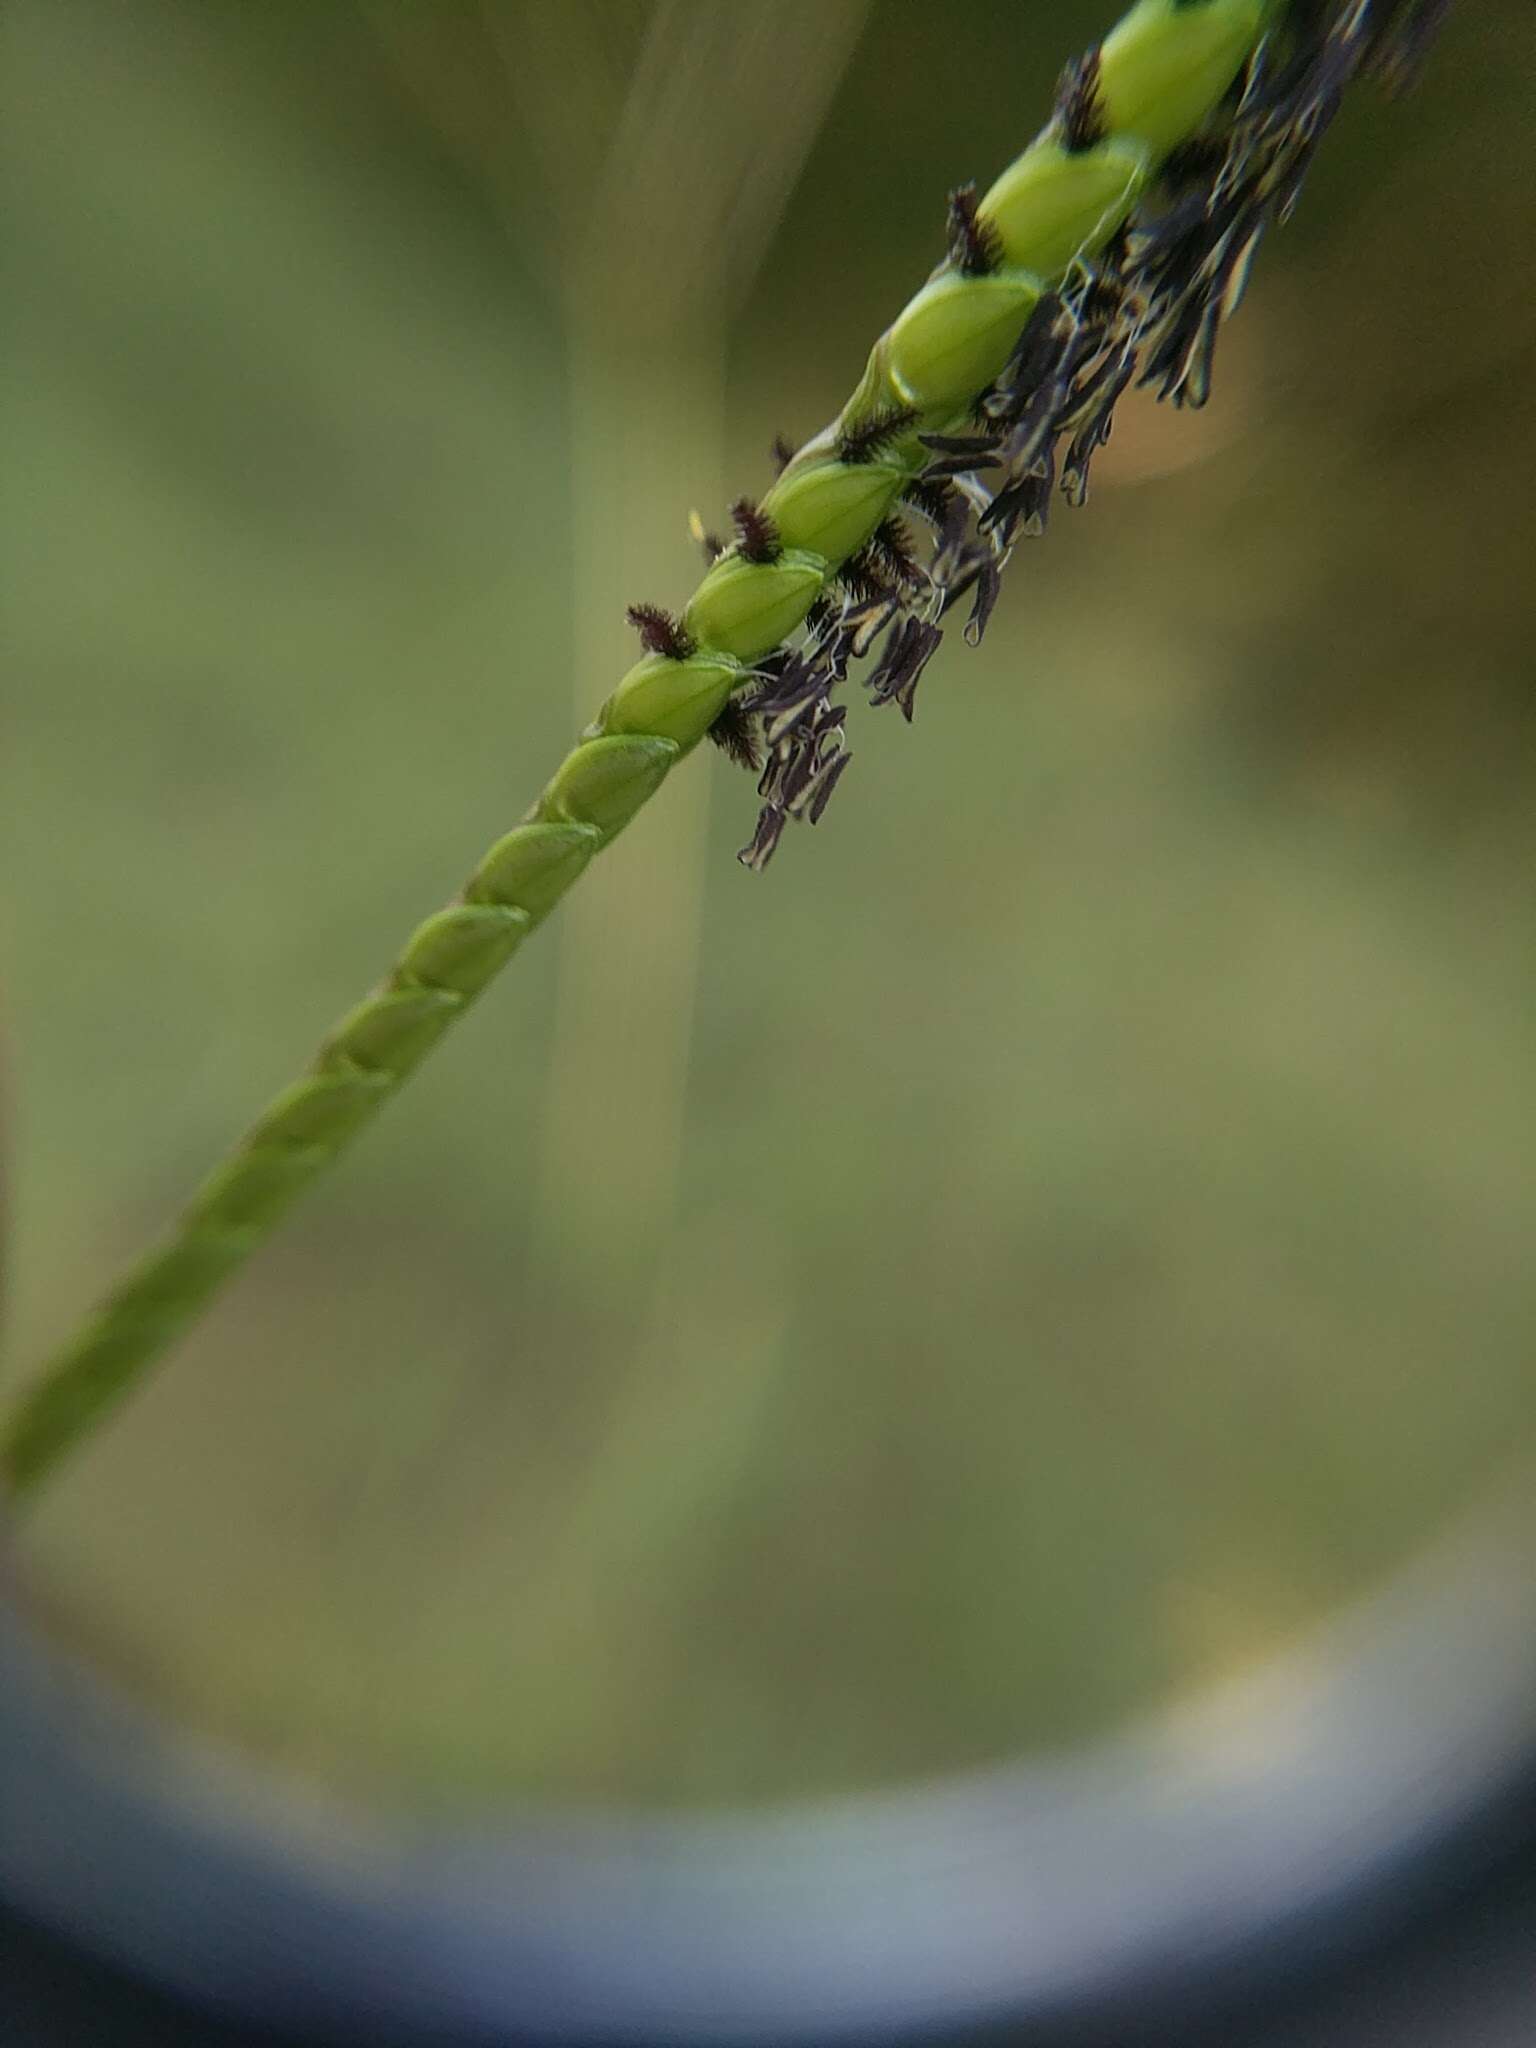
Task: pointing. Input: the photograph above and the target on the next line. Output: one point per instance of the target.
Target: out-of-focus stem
(617, 1071)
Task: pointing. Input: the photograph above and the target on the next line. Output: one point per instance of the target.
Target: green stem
(1161, 74)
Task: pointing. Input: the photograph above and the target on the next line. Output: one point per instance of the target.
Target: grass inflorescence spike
(1106, 255)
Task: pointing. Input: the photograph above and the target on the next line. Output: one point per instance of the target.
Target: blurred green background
(1053, 1237)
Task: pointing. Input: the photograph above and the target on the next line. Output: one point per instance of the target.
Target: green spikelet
(1156, 80)
(745, 608)
(679, 700)
(605, 781)
(830, 508)
(532, 867)
(1165, 66)
(1049, 206)
(955, 336)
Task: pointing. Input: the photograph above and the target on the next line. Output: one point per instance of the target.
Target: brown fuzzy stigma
(872, 435)
(660, 632)
(735, 733)
(781, 453)
(757, 538)
(975, 246)
(1079, 109)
